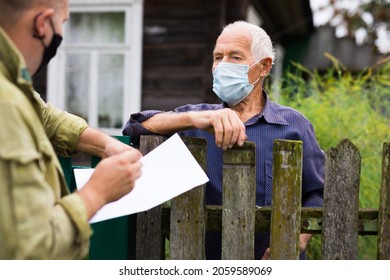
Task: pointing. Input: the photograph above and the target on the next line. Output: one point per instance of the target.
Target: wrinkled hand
(304, 239)
(227, 127)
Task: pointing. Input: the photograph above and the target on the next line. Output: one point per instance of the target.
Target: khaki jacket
(39, 219)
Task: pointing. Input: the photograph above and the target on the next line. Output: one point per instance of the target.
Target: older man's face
(233, 46)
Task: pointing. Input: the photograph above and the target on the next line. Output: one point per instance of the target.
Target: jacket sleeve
(62, 128)
(134, 128)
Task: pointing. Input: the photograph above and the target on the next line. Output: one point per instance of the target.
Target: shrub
(341, 104)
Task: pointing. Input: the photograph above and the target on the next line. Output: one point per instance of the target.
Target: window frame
(131, 49)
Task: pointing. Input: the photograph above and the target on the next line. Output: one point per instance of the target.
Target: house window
(97, 71)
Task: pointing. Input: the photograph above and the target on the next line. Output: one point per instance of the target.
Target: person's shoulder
(288, 113)
(10, 94)
(5, 87)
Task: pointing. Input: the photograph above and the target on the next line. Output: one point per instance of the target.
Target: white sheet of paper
(168, 171)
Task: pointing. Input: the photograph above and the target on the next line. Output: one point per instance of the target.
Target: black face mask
(50, 50)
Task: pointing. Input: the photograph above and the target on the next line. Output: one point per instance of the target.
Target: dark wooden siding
(179, 36)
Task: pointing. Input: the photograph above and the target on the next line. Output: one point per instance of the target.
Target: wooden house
(123, 56)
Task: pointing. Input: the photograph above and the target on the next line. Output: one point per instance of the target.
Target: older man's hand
(229, 130)
(304, 239)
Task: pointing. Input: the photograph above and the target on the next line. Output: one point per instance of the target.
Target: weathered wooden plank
(169, 104)
(368, 221)
(286, 200)
(184, 57)
(341, 202)
(149, 238)
(171, 86)
(170, 9)
(384, 207)
(238, 203)
(188, 215)
(311, 220)
(215, 19)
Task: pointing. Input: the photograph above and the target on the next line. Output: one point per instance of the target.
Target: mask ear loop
(43, 36)
(35, 35)
(255, 82)
(254, 63)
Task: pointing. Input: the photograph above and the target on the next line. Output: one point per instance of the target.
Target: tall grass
(341, 104)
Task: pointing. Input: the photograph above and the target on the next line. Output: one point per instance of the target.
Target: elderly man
(39, 218)
(243, 57)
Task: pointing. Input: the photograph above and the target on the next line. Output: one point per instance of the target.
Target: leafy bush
(341, 105)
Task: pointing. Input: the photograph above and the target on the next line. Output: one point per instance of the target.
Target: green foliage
(341, 105)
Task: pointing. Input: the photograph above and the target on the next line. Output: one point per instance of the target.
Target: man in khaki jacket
(39, 218)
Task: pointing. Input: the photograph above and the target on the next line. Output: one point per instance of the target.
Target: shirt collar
(270, 113)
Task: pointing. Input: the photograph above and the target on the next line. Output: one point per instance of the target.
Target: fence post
(149, 239)
(188, 216)
(286, 200)
(341, 202)
(384, 207)
(238, 202)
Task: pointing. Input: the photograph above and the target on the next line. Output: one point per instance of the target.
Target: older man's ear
(266, 65)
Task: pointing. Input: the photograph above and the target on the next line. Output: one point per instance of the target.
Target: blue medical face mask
(230, 82)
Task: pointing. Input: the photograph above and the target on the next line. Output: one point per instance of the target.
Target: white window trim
(132, 66)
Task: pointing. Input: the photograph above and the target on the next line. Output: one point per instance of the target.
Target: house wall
(177, 50)
(353, 57)
(179, 37)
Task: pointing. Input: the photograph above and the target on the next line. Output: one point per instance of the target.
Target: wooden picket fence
(186, 218)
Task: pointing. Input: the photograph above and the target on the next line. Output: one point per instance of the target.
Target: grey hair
(261, 42)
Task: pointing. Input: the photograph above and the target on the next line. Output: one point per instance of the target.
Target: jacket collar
(12, 63)
(14, 68)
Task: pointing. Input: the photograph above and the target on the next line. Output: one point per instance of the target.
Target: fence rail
(186, 219)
